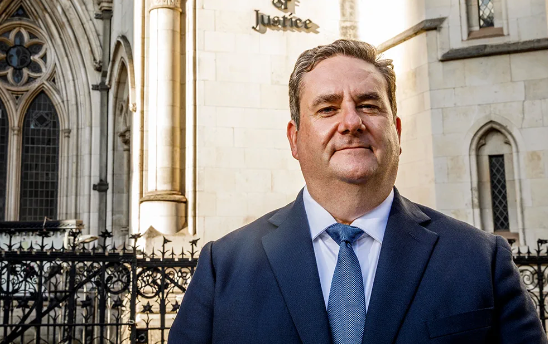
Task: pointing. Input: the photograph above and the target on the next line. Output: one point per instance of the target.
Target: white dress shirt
(367, 247)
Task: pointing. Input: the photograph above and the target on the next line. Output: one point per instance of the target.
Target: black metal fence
(533, 268)
(77, 292)
(60, 289)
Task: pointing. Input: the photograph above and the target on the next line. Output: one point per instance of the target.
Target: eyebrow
(336, 98)
(327, 98)
(369, 96)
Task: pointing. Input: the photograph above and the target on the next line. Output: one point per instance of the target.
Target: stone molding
(423, 26)
(171, 4)
(495, 49)
(481, 50)
(163, 197)
(105, 5)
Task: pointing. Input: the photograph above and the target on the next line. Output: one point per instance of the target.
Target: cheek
(323, 130)
(385, 136)
(319, 133)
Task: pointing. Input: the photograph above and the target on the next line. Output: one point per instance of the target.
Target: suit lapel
(405, 253)
(291, 256)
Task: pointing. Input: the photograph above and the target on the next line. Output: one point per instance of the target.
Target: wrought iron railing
(54, 290)
(73, 292)
(533, 268)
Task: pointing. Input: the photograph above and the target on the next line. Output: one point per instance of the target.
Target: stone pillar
(348, 26)
(163, 204)
(125, 138)
(14, 177)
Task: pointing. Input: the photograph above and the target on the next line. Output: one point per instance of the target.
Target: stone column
(348, 26)
(163, 204)
(13, 198)
(125, 138)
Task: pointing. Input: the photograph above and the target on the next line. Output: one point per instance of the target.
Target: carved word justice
(283, 22)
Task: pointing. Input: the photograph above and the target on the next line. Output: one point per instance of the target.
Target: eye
(368, 107)
(328, 110)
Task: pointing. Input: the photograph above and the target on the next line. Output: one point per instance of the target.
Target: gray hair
(361, 50)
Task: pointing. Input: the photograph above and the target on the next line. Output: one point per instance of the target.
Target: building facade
(168, 117)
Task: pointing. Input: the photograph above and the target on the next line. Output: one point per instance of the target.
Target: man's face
(347, 131)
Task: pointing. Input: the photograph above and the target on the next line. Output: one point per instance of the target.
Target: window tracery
(23, 57)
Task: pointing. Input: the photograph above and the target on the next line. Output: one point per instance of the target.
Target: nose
(351, 122)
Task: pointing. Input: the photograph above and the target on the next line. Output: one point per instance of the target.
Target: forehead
(340, 74)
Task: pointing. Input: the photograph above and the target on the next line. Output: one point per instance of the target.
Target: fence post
(132, 304)
(69, 329)
(540, 275)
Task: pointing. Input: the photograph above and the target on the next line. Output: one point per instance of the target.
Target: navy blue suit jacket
(438, 280)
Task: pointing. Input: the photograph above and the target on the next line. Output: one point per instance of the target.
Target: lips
(344, 148)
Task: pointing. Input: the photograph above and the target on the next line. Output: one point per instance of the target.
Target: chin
(356, 176)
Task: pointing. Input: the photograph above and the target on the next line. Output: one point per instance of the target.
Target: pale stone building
(128, 114)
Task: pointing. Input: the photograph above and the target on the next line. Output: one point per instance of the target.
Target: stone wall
(510, 90)
(416, 172)
(447, 107)
(244, 165)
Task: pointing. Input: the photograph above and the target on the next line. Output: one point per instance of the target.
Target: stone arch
(56, 99)
(11, 111)
(490, 129)
(71, 31)
(119, 157)
(70, 27)
(122, 56)
(16, 142)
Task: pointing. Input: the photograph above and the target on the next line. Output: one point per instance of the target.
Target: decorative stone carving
(15, 130)
(125, 133)
(125, 138)
(66, 133)
(133, 107)
(97, 65)
(123, 112)
(173, 4)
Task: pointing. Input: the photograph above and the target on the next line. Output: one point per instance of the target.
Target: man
(351, 260)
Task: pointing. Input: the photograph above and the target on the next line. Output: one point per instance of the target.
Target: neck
(347, 202)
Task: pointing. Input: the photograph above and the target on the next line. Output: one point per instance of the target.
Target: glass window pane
(40, 161)
(486, 13)
(498, 192)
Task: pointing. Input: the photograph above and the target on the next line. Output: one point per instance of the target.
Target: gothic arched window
(4, 130)
(497, 198)
(40, 161)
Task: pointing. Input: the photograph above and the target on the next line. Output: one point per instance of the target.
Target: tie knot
(343, 233)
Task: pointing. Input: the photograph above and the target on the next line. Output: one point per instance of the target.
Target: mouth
(357, 147)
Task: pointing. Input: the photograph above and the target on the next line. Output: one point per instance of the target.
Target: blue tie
(346, 304)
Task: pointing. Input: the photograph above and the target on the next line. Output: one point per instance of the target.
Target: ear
(292, 133)
(398, 129)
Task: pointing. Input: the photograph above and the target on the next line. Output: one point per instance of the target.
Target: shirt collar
(373, 223)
